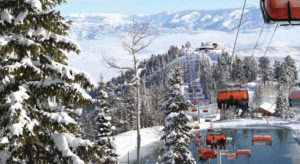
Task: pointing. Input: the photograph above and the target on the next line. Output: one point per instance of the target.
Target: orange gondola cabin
(281, 11)
(217, 137)
(232, 97)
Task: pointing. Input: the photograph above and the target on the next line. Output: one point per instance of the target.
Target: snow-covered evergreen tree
(103, 128)
(258, 96)
(277, 70)
(38, 90)
(250, 69)
(265, 69)
(283, 109)
(289, 73)
(237, 72)
(176, 131)
(282, 106)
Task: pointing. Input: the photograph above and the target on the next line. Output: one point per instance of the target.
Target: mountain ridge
(91, 26)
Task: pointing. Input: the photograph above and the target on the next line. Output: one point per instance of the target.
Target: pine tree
(277, 70)
(39, 91)
(289, 74)
(176, 131)
(265, 69)
(103, 128)
(250, 69)
(282, 106)
(237, 72)
(258, 96)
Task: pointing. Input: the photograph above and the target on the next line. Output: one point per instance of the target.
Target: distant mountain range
(92, 26)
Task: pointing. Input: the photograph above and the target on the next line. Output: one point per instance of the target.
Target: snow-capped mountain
(90, 26)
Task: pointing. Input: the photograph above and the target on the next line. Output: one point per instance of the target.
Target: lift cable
(237, 35)
(271, 40)
(268, 29)
(262, 29)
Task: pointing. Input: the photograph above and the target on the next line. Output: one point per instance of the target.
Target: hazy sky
(147, 6)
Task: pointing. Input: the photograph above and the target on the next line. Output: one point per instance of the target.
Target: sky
(133, 7)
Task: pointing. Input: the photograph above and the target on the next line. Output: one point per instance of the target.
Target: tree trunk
(137, 110)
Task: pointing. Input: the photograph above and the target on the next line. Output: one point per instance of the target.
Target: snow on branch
(64, 141)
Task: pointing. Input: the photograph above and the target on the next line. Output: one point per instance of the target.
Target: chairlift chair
(284, 12)
(230, 156)
(243, 152)
(262, 140)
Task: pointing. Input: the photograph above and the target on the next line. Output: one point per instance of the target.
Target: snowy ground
(126, 143)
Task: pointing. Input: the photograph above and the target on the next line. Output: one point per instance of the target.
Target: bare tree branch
(112, 64)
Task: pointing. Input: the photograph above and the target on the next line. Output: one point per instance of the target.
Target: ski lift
(198, 143)
(195, 118)
(193, 102)
(191, 95)
(205, 110)
(196, 127)
(243, 152)
(207, 120)
(262, 140)
(233, 97)
(194, 110)
(284, 12)
(199, 135)
(217, 135)
(209, 129)
(224, 152)
(230, 156)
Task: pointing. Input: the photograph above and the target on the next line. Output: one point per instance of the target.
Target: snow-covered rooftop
(268, 107)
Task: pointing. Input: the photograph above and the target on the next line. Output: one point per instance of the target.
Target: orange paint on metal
(262, 138)
(243, 152)
(198, 143)
(199, 135)
(237, 95)
(230, 155)
(217, 137)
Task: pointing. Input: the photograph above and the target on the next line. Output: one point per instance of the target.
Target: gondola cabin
(281, 11)
(195, 118)
(233, 97)
(217, 137)
(205, 110)
(207, 120)
(196, 127)
(194, 110)
(262, 140)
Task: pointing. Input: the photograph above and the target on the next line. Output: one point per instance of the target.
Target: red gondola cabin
(281, 11)
(233, 97)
